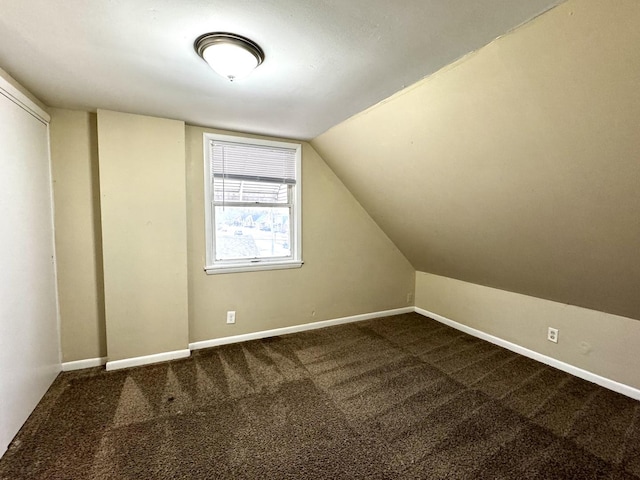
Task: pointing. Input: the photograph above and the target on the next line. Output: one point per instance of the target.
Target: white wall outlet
(552, 335)
(409, 297)
(231, 316)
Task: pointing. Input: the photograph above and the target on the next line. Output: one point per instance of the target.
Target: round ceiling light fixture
(228, 54)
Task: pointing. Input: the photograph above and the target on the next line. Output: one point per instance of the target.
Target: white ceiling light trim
(231, 56)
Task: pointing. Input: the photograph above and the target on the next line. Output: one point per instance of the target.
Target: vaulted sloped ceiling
(517, 167)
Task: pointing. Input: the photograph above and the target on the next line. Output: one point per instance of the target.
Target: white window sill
(252, 267)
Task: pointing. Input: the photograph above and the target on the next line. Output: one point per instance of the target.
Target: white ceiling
(326, 60)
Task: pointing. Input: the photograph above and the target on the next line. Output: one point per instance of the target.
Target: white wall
(29, 337)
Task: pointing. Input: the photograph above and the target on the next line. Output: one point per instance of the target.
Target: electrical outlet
(409, 297)
(552, 335)
(231, 316)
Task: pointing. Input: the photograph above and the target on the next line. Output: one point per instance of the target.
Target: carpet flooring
(401, 397)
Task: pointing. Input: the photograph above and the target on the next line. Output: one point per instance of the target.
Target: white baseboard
(296, 328)
(80, 364)
(565, 367)
(147, 359)
(163, 357)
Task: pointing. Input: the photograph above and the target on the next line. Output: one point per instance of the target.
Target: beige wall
(518, 166)
(142, 196)
(350, 266)
(76, 189)
(598, 342)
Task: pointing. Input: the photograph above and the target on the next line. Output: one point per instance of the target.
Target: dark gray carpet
(398, 397)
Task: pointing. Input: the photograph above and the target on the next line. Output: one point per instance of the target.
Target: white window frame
(250, 265)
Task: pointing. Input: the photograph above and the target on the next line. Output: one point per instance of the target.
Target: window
(252, 204)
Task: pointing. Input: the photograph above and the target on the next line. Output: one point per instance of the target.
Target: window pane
(252, 232)
(231, 190)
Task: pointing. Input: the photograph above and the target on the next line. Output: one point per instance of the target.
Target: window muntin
(252, 196)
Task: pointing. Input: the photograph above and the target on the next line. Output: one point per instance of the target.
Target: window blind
(232, 190)
(255, 163)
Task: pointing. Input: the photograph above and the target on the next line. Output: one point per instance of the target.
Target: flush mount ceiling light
(228, 54)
